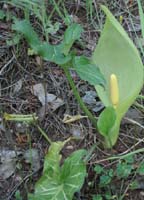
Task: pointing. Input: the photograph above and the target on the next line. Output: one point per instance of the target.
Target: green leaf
(27, 30)
(134, 185)
(129, 159)
(108, 196)
(18, 195)
(72, 33)
(73, 172)
(52, 53)
(98, 169)
(15, 40)
(97, 197)
(116, 54)
(60, 182)
(140, 169)
(123, 170)
(88, 71)
(111, 173)
(104, 180)
(105, 123)
(2, 14)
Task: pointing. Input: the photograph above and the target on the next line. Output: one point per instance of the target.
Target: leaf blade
(88, 71)
(52, 53)
(60, 182)
(72, 33)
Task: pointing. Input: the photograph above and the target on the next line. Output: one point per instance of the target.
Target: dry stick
(18, 185)
(134, 122)
(6, 65)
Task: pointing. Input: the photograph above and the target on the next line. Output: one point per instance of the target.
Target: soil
(16, 67)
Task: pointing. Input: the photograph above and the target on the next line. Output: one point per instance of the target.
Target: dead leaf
(39, 60)
(8, 162)
(7, 169)
(18, 86)
(98, 107)
(7, 155)
(76, 131)
(89, 97)
(46, 98)
(32, 156)
(68, 118)
(22, 139)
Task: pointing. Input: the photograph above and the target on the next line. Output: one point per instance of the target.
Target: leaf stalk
(79, 99)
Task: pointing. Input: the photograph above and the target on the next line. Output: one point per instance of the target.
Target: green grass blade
(141, 13)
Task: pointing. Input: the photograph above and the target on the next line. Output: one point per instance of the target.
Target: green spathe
(116, 54)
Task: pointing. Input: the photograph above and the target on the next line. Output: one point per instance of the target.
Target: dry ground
(16, 67)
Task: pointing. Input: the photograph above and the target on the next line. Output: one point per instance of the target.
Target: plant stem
(120, 156)
(44, 134)
(77, 96)
(52, 12)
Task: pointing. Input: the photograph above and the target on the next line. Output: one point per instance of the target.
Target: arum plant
(62, 55)
(115, 69)
(120, 63)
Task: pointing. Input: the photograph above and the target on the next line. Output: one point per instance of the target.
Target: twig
(6, 65)
(134, 122)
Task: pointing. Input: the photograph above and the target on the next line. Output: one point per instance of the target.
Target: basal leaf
(60, 183)
(53, 157)
(88, 71)
(73, 173)
(71, 34)
(116, 54)
(52, 53)
(26, 29)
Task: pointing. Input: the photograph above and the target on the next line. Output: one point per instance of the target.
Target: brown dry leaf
(46, 98)
(68, 118)
(38, 60)
(22, 139)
